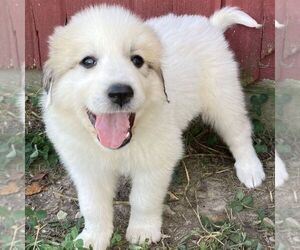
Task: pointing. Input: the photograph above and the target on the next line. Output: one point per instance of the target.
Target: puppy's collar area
(114, 130)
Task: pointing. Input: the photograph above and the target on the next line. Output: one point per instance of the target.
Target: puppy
(118, 94)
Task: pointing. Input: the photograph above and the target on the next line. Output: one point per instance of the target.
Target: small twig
(173, 196)
(208, 155)
(121, 203)
(187, 178)
(208, 148)
(37, 235)
(65, 196)
(271, 197)
(222, 171)
(12, 244)
(210, 234)
(35, 114)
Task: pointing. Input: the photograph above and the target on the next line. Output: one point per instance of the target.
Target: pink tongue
(112, 129)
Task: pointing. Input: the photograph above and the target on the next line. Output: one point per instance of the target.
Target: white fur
(228, 16)
(201, 77)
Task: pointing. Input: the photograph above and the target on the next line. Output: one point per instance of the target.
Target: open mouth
(113, 129)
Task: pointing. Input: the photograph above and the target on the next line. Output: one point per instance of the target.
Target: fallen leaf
(39, 176)
(173, 197)
(61, 215)
(33, 188)
(78, 215)
(10, 188)
(268, 222)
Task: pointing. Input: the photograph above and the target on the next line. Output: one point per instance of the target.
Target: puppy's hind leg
(224, 107)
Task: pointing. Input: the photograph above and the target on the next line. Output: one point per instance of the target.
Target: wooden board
(254, 49)
(150, 8)
(267, 62)
(192, 7)
(47, 15)
(73, 6)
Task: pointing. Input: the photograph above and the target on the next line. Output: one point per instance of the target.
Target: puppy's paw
(250, 172)
(138, 234)
(96, 239)
(281, 175)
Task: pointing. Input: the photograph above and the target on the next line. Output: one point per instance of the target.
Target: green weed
(256, 103)
(220, 235)
(39, 147)
(241, 202)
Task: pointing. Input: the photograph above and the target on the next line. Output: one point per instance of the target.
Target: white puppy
(118, 94)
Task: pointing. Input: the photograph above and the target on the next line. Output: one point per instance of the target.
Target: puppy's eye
(88, 62)
(137, 60)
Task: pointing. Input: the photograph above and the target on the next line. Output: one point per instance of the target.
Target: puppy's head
(104, 67)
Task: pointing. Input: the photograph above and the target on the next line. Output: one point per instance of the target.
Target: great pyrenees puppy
(118, 94)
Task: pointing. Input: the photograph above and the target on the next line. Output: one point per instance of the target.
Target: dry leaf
(10, 188)
(33, 188)
(39, 176)
(61, 215)
(173, 197)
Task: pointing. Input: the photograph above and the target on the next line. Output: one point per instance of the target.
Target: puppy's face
(104, 67)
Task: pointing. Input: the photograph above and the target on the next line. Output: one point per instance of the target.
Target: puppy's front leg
(149, 188)
(95, 195)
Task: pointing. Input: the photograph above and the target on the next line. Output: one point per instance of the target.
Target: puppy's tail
(228, 16)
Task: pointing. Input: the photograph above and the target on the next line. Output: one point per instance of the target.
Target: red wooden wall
(254, 48)
(12, 44)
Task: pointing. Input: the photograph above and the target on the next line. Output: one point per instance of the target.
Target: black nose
(120, 94)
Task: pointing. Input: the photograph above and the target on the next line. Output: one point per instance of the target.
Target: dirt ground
(211, 188)
(204, 184)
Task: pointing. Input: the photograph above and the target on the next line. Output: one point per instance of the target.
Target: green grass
(38, 147)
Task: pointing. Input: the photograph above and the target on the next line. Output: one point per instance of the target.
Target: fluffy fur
(201, 77)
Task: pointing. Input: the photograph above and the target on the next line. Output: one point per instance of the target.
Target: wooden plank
(45, 23)
(73, 6)
(151, 8)
(267, 63)
(246, 42)
(204, 7)
(17, 15)
(32, 51)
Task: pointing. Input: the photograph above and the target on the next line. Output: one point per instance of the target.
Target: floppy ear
(48, 80)
(160, 74)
